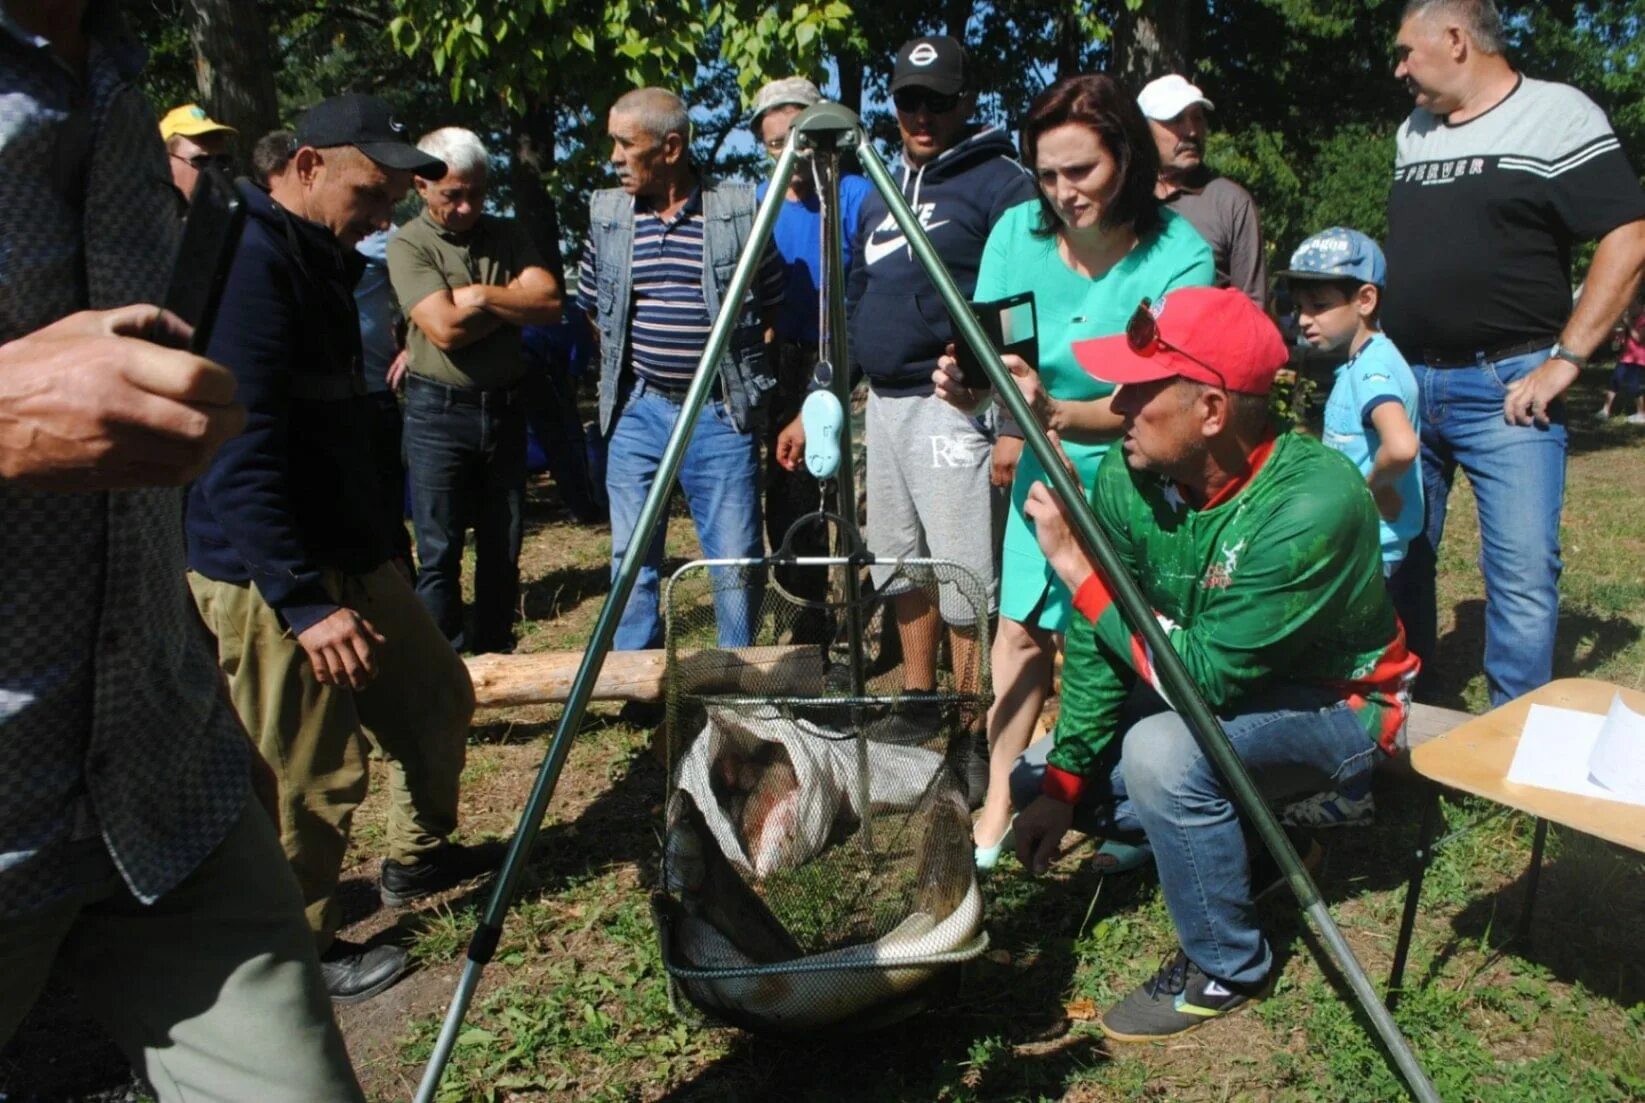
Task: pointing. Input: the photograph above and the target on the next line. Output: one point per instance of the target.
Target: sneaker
(446, 867)
(1352, 805)
(1175, 1000)
(916, 717)
(1636, 419)
(354, 972)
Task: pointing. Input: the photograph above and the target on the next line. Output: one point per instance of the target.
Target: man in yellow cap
(193, 141)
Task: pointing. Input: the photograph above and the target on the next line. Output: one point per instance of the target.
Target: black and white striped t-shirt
(669, 323)
(1482, 217)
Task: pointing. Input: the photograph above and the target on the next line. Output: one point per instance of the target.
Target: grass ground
(575, 1005)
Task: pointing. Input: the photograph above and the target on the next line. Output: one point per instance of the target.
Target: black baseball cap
(367, 124)
(936, 62)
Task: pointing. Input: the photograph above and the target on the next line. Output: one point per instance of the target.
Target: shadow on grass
(1584, 642)
(1584, 927)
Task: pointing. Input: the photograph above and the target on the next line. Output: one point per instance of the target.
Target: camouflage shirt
(1276, 580)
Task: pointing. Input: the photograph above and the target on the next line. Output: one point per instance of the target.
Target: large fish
(739, 932)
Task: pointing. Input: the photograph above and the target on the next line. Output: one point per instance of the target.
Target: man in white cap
(1223, 212)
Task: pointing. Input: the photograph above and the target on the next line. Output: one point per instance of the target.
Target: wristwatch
(1562, 353)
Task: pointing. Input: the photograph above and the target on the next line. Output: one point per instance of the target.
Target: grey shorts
(929, 493)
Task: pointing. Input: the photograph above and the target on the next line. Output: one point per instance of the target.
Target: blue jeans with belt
(720, 477)
(1295, 740)
(465, 456)
(1518, 476)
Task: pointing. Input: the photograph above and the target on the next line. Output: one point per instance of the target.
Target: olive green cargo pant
(415, 712)
(214, 990)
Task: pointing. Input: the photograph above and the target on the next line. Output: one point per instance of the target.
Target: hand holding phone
(1011, 325)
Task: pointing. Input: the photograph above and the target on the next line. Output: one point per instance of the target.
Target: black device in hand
(1012, 326)
(211, 233)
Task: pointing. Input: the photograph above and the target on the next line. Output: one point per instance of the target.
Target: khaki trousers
(415, 712)
(214, 990)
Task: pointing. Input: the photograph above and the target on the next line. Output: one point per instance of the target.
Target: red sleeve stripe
(1061, 785)
(1094, 597)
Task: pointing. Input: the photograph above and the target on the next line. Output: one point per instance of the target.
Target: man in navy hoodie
(928, 464)
(294, 564)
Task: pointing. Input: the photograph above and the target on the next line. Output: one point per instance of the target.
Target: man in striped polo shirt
(1496, 178)
(660, 252)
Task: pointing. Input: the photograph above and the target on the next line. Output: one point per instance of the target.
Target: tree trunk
(533, 160)
(542, 677)
(1152, 41)
(234, 69)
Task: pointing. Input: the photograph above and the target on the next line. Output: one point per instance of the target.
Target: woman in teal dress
(1094, 244)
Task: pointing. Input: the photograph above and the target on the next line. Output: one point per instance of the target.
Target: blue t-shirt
(378, 310)
(1377, 374)
(798, 237)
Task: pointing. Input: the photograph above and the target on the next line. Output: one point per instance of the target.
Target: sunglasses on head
(1143, 336)
(910, 100)
(202, 160)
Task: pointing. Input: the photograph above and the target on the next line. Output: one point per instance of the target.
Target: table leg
(1413, 891)
(1532, 875)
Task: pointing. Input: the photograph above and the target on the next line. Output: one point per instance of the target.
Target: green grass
(576, 1005)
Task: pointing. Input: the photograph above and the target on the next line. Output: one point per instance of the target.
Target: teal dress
(1072, 308)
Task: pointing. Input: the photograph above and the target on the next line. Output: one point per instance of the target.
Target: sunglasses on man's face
(1143, 336)
(910, 100)
(201, 161)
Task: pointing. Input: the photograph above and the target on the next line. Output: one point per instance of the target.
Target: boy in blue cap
(1336, 280)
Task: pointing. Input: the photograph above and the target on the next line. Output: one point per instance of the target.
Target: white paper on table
(1554, 752)
(1618, 759)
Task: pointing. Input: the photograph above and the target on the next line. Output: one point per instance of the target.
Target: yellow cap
(190, 121)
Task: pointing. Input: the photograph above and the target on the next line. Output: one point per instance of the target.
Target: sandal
(988, 857)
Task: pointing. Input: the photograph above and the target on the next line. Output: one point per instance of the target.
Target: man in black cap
(929, 466)
(293, 565)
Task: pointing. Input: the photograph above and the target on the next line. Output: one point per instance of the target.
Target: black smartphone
(1012, 326)
(211, 234)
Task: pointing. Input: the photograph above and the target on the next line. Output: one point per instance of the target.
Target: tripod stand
(822, 133)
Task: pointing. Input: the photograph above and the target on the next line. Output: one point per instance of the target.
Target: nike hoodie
(897, 320)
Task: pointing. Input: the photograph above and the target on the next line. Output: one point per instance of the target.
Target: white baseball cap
(1169, 96)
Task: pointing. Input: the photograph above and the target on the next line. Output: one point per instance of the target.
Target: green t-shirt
(1277, 581)
(424, 259)
(1071, 307)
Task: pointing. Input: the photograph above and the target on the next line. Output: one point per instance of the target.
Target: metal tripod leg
(1179, 684)
(489, 932)
(1420, 858)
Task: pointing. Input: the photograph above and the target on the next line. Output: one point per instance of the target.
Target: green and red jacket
(1277, 580)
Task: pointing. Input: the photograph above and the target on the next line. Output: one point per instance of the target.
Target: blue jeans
(465, 457)
(1295, 740)
(1518, 476)
(720, 477)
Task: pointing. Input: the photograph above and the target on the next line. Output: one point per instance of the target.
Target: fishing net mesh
(817, 864)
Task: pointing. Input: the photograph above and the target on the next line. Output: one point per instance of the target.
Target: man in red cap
(1259, 553)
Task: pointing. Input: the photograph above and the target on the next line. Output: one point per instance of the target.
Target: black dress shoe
(438, 870)
(354, 972)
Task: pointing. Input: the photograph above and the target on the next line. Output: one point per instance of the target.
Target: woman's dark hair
(1098, 101)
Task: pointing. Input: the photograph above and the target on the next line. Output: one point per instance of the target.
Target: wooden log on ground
(545, 677)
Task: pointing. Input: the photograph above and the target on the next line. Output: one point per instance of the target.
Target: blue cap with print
(1338, 254)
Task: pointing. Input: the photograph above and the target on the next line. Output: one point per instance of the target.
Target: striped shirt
(669, 323)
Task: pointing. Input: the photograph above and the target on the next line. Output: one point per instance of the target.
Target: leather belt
(1436, 358)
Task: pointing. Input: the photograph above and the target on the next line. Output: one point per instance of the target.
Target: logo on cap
(923, 54)
(396, 125)
(197, 112)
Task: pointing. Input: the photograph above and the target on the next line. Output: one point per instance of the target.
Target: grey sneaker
(1177, 999)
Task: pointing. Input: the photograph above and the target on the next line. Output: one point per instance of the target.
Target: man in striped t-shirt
(660, 252)
(1496, 177)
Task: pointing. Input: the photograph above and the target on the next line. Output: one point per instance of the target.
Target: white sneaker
(1636, 419)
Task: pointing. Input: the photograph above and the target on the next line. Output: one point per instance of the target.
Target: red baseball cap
(1213, 335)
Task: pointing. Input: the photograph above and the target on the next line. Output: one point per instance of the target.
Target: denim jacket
(728, 218)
